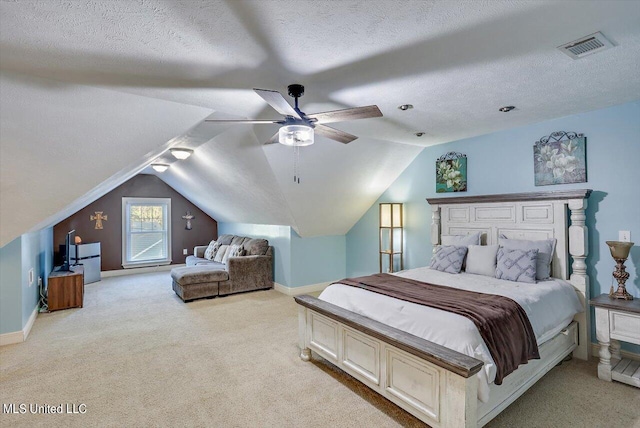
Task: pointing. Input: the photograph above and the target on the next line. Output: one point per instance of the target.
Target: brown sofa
(205, 278)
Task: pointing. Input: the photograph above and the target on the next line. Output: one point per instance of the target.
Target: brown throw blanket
(502, 322)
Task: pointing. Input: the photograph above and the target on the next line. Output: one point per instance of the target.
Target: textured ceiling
(119, 82)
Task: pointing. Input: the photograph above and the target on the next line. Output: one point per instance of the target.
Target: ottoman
(197, 282)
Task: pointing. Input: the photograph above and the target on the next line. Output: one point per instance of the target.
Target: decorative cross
(98, 219)
(188, 217)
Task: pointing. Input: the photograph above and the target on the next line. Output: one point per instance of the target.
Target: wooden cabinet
(617, 320)
(66, 289)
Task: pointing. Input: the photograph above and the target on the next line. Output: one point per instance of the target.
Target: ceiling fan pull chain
(296, 166)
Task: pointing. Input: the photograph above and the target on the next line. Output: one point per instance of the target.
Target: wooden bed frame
(434, 383)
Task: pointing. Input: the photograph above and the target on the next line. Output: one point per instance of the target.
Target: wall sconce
(391, 236)
(296, 135)
(160, 167)
(620, 253)
(181, 154)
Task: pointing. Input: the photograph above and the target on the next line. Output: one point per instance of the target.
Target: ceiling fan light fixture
(296, 135)
(180, 153)
(160, 167)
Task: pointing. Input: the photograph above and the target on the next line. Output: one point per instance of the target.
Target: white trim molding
(305, 289)
(20, 335)
(135, 271)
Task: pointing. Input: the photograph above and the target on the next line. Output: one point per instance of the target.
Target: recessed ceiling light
(419, 134)
(405, 107)
(179, 153)
(160, 167)
(506, 109)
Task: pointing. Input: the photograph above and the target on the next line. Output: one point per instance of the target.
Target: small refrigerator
(87, 255)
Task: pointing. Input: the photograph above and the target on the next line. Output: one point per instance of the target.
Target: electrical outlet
(185, 251)
(624, 236)
(30, 277)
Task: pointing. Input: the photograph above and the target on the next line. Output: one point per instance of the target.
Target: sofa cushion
(233, 251)
(225, 239)
(256, 247)
(198, 275)
(211, 264)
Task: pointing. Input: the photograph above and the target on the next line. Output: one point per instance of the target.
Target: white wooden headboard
(533, 216)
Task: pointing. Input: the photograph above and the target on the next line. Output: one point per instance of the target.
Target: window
(146, 232)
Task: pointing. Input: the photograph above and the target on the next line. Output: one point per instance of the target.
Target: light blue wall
(298, 261)
(37, 253)
(18, 299)
(317, 259)
(11, 287)
(502, 163)
(278, 236)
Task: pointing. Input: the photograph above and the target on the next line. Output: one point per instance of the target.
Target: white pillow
(211, 250)
(471, 239)
(220, 254)
(545, 248)
(232, 251)
(481, 259)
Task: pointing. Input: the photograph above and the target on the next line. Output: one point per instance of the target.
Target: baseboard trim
(32, 318)
(595, 349)
(134, 271)
(20, 335)
(296, 291)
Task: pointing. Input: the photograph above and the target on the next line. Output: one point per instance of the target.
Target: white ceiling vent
(587, 45)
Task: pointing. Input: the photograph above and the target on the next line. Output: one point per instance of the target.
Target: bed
(448, 383)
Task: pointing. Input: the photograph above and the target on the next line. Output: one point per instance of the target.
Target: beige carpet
(135, 355)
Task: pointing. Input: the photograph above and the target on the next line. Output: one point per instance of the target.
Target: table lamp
(620, 253)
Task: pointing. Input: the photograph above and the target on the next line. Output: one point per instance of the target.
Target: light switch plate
(185, 251)
(624, 236)
(30, 277)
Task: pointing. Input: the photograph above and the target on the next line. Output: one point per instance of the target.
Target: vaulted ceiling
(93, 91)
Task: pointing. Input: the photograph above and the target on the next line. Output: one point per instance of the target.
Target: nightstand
(617, 320)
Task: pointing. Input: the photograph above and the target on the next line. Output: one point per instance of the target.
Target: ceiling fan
(298, 127)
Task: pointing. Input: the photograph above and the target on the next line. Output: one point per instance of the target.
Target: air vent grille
(586, 46)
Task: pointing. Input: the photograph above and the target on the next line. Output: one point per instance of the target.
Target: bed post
(435, 226)
(579, 250)
(305, 352)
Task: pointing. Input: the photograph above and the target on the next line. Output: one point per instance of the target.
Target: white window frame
(126, 203)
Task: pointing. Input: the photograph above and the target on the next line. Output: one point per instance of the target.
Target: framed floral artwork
(560, 158)
(451, 173)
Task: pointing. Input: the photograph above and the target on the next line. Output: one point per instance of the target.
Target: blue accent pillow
(448, 258)
(545, 249)
(517, 265)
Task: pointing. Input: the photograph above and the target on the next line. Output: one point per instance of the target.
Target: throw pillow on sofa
(211, 250)
(220, 253)
(233, 251)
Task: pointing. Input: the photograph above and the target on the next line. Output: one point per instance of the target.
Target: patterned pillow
(545, 249)
(517, 265)
(211, 250)
(220, 253)
(448, 258)
(233, 251)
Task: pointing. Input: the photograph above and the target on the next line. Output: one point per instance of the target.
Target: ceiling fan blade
(277, 101)
(334, 134)
(347, 114)
(257, 121)
(273, 139)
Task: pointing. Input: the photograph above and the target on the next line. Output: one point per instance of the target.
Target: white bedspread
(550, 306)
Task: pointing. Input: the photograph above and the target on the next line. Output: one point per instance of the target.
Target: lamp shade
(296, 135)
(619, 250)
(179, 153)
(160, 167)
(390, 214)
